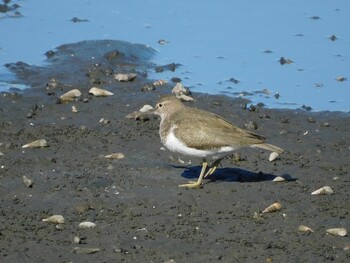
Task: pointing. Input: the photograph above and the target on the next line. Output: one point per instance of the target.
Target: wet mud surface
(141, 214)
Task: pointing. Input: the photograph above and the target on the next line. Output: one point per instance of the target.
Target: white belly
(175, 145)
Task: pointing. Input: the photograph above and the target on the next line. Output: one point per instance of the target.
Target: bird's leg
(199, 181)
(213, 168)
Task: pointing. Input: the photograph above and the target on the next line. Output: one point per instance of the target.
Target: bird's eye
(160, 105)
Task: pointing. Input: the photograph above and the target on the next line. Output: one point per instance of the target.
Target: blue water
(213, 40)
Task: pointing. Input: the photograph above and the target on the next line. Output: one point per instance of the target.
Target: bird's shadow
(232, 175)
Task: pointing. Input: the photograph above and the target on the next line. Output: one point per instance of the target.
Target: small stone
(340, 78)
(284, 61)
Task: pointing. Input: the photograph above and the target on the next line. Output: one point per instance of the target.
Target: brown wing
(211, 131)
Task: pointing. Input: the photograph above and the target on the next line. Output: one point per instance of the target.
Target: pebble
(285, 61)
(340, 79)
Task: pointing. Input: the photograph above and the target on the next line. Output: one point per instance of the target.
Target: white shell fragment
(160, 82)
(141, 114)
(76, 240)
(325, 190)
(273, 208)
(180, 89)
(74, 109)
(341, 232)
(36, 144)
(184, 97)
(125, 77)
(181, 92)
(28, 182)
(273, 156)
(70, 95)
(87, 224)
(100, 92)
(305, 229)
(279, 179)
(55, 219)
(115, 156)
(146, 108)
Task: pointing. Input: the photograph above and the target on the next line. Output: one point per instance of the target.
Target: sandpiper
(198, 133)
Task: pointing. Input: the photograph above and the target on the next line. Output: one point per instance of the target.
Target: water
(215, 41)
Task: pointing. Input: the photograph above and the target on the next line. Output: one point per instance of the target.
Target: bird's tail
(269, 147)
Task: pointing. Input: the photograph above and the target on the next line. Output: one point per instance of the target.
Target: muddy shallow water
(141, 214)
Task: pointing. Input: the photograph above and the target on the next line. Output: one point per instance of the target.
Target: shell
(273, 208)
(55, 219)
(146, 108)
(74, 109)
(325, 190)
(180, 89)
(273, 156)
(100, 92)
(279, 179)
(125, 77)
(148, 88)
(341, 232)
(76, 240)
(160, 82)
(28, 182)
(305, 229)
(115, 156)
(70, 95)
(85, 250)
(184, 97)
(36, 144)
(87, 224)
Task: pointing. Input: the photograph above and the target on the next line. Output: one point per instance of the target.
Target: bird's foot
(192, 185)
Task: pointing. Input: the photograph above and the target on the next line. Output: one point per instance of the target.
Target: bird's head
(167, 105)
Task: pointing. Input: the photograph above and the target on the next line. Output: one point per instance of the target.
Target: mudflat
(141, 214)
